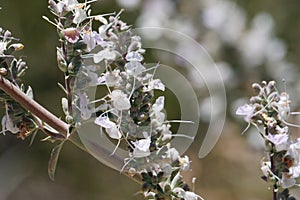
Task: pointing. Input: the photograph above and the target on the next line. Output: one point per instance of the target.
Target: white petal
(156, 84)
(244, 110)
(173, 154)
(104, 122)
(120, 100)
(10, 125)
(134, 56)
(134, 68)
(159, 104)
(141, 148)
(160, 117)
(114, 132)
(105, 54)
(80, 16)
(190, 196)
(287, 182)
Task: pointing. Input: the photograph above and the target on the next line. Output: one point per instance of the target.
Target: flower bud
(62, 64)
(17, 46)
(69, 119)
(3, 71)
(71, 34)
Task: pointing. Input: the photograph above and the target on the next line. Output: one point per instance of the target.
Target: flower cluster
(268, 111)
(110, 60)
(16, 119)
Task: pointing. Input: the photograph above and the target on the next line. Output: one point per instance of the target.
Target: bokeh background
(249, 41)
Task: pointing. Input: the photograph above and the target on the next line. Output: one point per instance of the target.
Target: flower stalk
(268, 111)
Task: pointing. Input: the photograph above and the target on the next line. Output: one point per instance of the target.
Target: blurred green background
(230, 171)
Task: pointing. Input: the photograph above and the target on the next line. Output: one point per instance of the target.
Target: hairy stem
(273, 169)
(275, 187)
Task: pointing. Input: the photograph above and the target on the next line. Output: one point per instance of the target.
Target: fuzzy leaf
(53, 160)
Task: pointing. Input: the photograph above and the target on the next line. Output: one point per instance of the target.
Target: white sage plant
(268, 111)
(101, 52)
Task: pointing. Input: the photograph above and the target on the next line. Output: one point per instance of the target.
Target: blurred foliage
(231, 171)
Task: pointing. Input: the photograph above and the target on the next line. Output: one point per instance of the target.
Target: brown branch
(31, 105)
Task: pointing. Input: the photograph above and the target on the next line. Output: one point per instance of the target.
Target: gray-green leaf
(53, 160)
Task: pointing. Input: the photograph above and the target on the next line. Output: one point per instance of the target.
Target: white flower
(91, 38)
(159, 104)
(283, 130)
(295, 171)
(246, 111)
(7, 124)
(111, 79)
(134, 68)
(283, 106)
(114, 132)
(104, 122)
(186, 195)
(80, 16)
(265, 168)
(165, 131)
(184, 163)
(155, 84)
(157, 116)
(69, 4)
(134, 56)
(105, 54)
(141, 148)
(173, 154)
(293, 152)
(110, 127)
(120, 100)
(63, 5)
(279, 140)
(288, 179)
(135, 44)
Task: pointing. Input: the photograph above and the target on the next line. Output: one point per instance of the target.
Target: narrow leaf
(62, 87)
(33, 136)
(53, 160)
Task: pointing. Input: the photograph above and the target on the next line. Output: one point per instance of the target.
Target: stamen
(54, 24)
